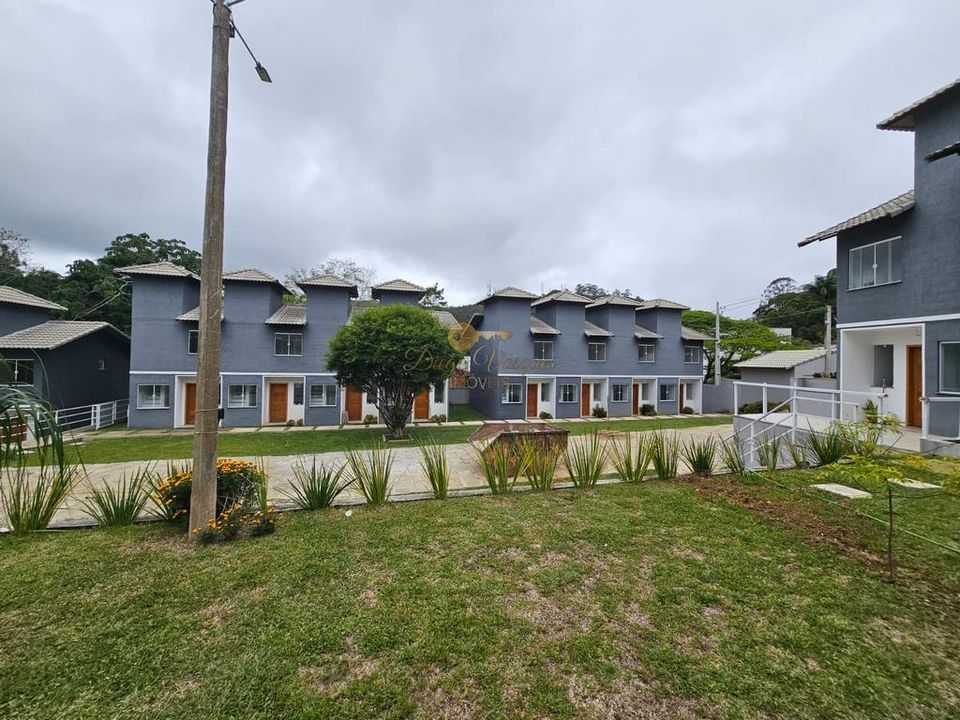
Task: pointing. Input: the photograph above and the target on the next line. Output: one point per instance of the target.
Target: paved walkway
(408, 480)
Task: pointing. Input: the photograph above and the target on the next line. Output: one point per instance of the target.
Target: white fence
(96, 416)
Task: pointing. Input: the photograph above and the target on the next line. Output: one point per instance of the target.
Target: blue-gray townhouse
(272, 350)
(898, 271)
(565, 355)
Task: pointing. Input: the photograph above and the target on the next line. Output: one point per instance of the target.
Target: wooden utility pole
(827, 339)
(203, 496)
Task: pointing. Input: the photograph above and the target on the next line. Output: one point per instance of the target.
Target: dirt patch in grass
(213, 616)
(627, 698)
(332, 677)
(442, 698)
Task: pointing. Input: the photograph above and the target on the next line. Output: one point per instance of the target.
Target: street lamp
(203, 496)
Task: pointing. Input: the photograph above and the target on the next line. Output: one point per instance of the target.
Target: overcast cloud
(678, 149)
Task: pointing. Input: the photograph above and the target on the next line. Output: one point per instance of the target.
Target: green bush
(700, 455)
(598, 412)
(502, 464)
(584, 460)
(541, 463)
(433, 461)
(648, 410)
(687, 410)
(665, 454)
(439, 418)
(831, 446)
(751, 408)
(115, 507)
(316, 487)
(369, 420)
(237, 483)
(370, 471)
(731, 451)
(546, 416)
(631, 463)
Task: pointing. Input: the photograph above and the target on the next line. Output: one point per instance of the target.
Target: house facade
(566, 355)
(273, 351)
(898, 270)
(68, 363)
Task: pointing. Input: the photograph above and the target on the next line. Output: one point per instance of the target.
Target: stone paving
(407, 478)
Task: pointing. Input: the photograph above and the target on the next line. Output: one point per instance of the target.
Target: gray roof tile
(398, 285)
(890, 208)
(53, 334)
(691, 334)
(614, 299)
(904, 120)
(539, 327)
(662, 304)
(561, 296)
(332, 281)
(13, 296)
(289, 314)
(510, 292)
(591, 330)
(782, 359)
(162, 269)
(641, 333)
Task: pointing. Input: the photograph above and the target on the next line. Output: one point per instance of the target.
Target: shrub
(316, 487)
(291, 423)
(829, 447)
(236, 483)
(546, 416)
(584, 461)
(439, 418)
(687, 410)
(371, 473)
(117, 506)
(300, 422)
(648, 410)
(665, 454)
(369, 420)
(598, 412)
(631, 463)
(30, 503)
(700, 454)
(798, 453)
(751, 408)
(541, 464)
(433, 461)
(768, 453)
(731, 451)
(502, 465)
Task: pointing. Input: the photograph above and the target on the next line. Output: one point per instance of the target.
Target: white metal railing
(926, 402)
(98, 415)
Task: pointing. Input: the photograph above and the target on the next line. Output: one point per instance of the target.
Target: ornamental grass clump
(631, 461)
(585, 460)
(830, 446)
(316, 487)
(502, 464)
(30, 497)
(732, 455)
(370, 471)
(541, 463)
(700, 454)
(433, 461)
(797, 451)
(118, 506)
(665, 454)
(768, 453)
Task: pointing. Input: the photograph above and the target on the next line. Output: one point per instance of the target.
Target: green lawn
(671, 600)
(297, 442)
(465, 413)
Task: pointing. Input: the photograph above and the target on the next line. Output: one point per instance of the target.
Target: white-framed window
(883, 366)
(568, 393)
(691, 353)
(619, 392)
(17, 372)
(323, 395)
(950, 367)
(153, 397)
(193, 342)
(544, 392)
(298, 393)
(288, 343)
(668, 393)
(241, 396)
(543, 349)
(874, 264)
(597, 352)
(511, 393)
(438, 393)
(647, 353)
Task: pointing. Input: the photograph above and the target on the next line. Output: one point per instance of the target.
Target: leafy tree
(14, 248)
(434, 297)
(739, 340)
(392, 353)
(362, 275)
(801, 308)
(590, 290)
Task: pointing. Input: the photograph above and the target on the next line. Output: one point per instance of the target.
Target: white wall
(856, 362)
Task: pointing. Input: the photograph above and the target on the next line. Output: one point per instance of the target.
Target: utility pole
(827, 339)
(716, 346)
(203, 495)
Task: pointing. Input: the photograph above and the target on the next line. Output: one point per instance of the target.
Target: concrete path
(407, 478)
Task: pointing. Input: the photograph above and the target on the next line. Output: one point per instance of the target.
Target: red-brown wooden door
(532, 395)
(914, 385)
(277, 408)
(585, 399)
(421, 405)
(636, 398)
(354, 403)
(189, 403)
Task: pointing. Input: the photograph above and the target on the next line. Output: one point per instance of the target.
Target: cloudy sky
(676, 149)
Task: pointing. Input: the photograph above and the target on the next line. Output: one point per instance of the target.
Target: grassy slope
(618, 602)
(291, 442)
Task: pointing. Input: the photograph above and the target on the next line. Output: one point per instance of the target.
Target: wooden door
(681, 396)
(533, 392)
(189, 403)
(914, 385)
(421, 405)
(278, 403)
(585, 399)
(354, 403)
(636, 398)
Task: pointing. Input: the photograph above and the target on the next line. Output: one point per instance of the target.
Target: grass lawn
(465, 413)
(296, 442)
(674, 600)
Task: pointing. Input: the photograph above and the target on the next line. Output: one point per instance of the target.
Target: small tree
(392, 353)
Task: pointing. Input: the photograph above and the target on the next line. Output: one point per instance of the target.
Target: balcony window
(543, 349)
(288, 343)
(438, 391)
(950, 367)
(241, 396)
(153, 397)
(544, 392)
(597, 352)
(511, 393)
(874, 264)
(298, 393)
(883, 365)
(647, 353)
